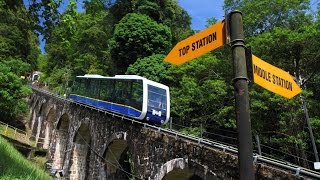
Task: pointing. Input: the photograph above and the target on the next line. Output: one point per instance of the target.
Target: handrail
(294, 169)
(19, 135)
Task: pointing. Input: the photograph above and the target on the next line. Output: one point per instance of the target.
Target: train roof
(97, 76)
(91, 76)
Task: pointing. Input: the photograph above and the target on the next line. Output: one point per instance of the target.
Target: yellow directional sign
(274, 79)
(198, 44)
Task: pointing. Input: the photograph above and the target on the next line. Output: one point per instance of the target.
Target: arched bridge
(88, 143)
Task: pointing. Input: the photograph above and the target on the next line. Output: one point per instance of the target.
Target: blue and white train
(129, 95)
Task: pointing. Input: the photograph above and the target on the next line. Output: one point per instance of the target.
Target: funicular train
(130, 95)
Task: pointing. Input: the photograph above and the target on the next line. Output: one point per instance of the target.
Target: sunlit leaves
(12, 89)
(137, 36)
(151, 67)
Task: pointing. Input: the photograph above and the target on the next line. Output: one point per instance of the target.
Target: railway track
(283, 165)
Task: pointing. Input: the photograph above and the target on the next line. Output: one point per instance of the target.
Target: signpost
(208, 40)
(241, 94)
(274, 79)
(198, 44)
(265, 75)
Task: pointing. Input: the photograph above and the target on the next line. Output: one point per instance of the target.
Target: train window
(87, 85)
(78, 87)
(129, 93)
(94, 92)
(92, 88)
(157, 98)
(119, 91)
(136, 94)
(106, 89)
(103, 89)
(75, 86)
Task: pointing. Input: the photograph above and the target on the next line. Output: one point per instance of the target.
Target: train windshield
(157, 99)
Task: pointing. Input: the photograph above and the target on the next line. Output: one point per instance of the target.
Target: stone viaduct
(86, 143)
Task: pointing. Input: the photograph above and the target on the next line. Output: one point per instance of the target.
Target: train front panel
(157, 104)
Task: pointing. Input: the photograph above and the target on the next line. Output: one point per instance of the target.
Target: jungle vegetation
(133, 36)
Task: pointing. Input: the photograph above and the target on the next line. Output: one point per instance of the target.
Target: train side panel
(117, 95)
(129, 95)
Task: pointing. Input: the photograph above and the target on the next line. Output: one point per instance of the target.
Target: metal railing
(19, 135)
(281, 164)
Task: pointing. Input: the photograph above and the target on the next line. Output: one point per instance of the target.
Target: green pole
(245, 154)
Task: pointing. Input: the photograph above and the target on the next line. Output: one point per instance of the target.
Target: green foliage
(193, 131)
(46, 12)
(93, 6)
(12, 89)
(18, 54)
(151, 67)
(120, 36)
(284, 35)
(15, 166)
(315, 123)
(168, 13)
(42, 62)
(199, 95)
(137, 36)
(17, 38)
(259, 19)
(59, 81)
(40, 161)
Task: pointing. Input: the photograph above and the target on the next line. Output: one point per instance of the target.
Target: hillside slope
(15, 166)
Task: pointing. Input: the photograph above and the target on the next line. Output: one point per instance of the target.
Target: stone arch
(166, 168)
(61, 139)
(116, 157)
(184, 169)
(31, 101)
(35, 101)
(46, 129)
(33, 111)
(80, 152)
(38, 121)
(36, 113)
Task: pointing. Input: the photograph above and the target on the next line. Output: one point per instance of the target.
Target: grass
(14, 165)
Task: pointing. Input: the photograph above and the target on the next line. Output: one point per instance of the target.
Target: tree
(259, 19)
(137, 36)
(13, 89)
(18, 55)
(167, 12)
(200, 95)
(17, 37)
(284, 35)
(59, 81)
(152, 67)
(46, 15)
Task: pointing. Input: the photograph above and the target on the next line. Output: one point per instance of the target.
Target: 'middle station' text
(272, 78)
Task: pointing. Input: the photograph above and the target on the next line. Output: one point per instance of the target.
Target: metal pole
(258, 144)
(304, 105)
(241, 97)
(201, 131)
(305, 109)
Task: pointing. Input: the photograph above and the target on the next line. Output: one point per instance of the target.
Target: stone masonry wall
(153, 154)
